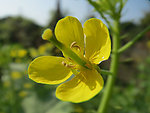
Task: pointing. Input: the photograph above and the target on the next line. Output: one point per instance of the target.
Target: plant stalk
(68, 52)
(113, 69)
(137, 37)
(102, 71)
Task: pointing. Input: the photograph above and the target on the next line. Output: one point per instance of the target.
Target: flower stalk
(68, 52)
(113, 69)
(102, 71)
(137, 37)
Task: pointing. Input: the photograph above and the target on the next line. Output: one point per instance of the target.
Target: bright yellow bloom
(33, 52)
(27, 85)
(23, 93)
(13, 53)
(148, 44)
(16, 75)
(42, 49)
(7, 84)
(18, 53)
(22, 53)
(91, 43)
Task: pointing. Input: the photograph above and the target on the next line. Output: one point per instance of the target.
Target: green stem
(113, 69)
(105, 72)
(137, 37)
(68, 52)
(102, 71)
(124, 36)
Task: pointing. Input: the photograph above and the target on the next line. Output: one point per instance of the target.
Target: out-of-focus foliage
(108, 8)
(19, 30)
(146, 21)
(115, 5)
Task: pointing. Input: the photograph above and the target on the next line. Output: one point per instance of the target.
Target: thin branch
(124, 36)
(102, 71)
(105, 72)
(137, 37)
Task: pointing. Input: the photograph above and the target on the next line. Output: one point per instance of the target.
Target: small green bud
(47, 34)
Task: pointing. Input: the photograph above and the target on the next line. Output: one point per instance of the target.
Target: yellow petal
(98, 44)
(81, 88)
(69, 31)
(48, 70)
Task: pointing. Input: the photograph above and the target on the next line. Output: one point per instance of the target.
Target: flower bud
(47, 35)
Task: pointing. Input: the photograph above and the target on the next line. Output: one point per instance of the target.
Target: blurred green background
(20, 43)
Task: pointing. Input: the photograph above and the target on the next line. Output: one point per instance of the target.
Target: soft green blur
(21, 42)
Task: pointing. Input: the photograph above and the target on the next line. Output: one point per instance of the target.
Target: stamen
(74, 44)
(68, 65)
(64, 63)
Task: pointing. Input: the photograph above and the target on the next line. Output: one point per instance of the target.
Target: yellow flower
(18, 53)
(42, 49)
(91, 43)
(22, 53)
(23, 93)
(148, 44)
(13, 53)
(33, 52)
(27, 85)
(16, 75)
(6, 83)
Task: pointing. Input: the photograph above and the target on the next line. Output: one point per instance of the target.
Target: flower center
(75, 47)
